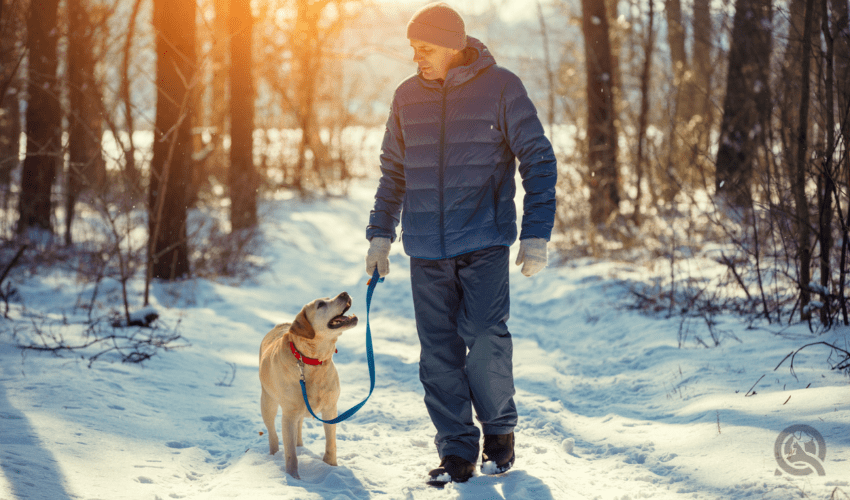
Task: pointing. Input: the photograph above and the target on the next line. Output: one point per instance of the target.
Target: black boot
(498, 453)
(451, 469)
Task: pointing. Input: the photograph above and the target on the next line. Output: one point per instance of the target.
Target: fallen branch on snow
(843, 364)
(132, 346)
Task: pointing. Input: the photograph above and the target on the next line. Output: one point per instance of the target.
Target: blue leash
(370, 358)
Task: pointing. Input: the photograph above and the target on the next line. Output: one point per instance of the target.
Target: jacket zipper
(441, 174)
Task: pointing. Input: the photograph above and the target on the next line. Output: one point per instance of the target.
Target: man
(448, 166)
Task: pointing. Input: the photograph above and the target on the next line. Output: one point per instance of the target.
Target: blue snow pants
(462, 305)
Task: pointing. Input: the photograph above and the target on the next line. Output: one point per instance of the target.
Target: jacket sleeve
(538, 166)
(384, 217)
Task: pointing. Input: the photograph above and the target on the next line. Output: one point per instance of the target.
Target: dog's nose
(345, 296)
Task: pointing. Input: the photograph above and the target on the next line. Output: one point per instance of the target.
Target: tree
(43, 119)
(219, 107)
(550, 74)
(86, 168)
(680, 160)
(789, 86)
(242, 175)
(172, 163)
(601, 132)
(841, 25)
(131, 174)
(307, 49)
(746, 108)
(643, 116)
(703, 70)
(801, 203)
(683, 100)
(12, 18)
(302, 71)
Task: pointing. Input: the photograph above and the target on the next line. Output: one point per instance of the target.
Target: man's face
(434, 60)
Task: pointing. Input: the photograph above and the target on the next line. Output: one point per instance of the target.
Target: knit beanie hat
(439, 24)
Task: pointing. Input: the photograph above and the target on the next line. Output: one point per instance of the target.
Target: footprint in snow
(178, 445)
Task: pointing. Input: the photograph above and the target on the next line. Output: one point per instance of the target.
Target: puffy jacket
(448, 162)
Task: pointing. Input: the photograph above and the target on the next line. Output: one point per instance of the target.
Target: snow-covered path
(610, 406)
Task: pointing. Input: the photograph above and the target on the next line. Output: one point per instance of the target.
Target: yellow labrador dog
(307, 346)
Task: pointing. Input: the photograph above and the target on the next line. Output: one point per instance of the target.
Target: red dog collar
(304, 359)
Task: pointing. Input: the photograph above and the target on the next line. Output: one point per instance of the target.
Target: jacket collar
(477, 58)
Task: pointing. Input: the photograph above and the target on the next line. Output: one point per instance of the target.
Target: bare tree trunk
(677, 157)
(304, 91)
(683, 77)
(799, 185)
(11, 17)
(841, 22)
(78, 58)
(86, 168)
(828, 174)
(841, 25)
(703, 71)
(308, 57)
(790, 83)
(678, 56)
(649, 48)
(746, 108)
(601, 132)
(43, 119)
(10, 133)
(841, 37)
(218, 161)
(243, 175)
(550, 75)
(131, 173)
(10, 85)
(171, 167)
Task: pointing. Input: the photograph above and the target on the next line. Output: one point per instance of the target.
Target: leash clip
(301, 367)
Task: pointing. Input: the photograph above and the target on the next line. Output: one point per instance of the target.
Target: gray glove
(378, 256)
(532, 255)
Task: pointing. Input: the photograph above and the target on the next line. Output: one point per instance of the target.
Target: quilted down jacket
(448, 162)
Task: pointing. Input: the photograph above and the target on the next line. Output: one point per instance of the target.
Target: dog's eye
(321, 305)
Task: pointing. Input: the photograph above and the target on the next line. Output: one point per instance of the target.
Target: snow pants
(462, 305)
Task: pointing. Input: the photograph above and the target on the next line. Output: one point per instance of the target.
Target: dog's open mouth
(342, 320)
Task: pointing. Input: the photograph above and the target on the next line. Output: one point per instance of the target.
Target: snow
(610, 405)
(443, 478)
(489, 468)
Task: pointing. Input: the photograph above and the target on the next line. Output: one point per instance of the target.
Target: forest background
(681, 128)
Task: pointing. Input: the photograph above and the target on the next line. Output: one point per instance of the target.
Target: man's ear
(302, 327)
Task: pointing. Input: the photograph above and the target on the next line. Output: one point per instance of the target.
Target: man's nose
(416, 57)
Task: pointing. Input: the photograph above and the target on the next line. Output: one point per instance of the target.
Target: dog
(305, 346)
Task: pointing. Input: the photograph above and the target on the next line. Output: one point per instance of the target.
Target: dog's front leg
(290, 436)
(268, 407)
(300, 442)
(330, 436)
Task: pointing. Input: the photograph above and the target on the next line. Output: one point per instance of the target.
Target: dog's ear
(302, 327)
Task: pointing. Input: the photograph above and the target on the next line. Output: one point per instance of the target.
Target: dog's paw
(329, 460)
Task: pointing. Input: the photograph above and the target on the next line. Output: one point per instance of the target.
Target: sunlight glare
(281, 16)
